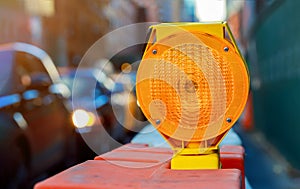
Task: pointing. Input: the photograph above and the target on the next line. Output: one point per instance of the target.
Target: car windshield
(6, 76)
(20, 71)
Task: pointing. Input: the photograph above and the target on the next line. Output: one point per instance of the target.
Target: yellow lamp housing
(192, 85)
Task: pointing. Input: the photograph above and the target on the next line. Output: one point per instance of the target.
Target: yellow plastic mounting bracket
(196, 158)
(219, 29)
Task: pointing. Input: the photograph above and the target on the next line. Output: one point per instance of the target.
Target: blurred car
(86, 98)
(35, 128)
(95, 95)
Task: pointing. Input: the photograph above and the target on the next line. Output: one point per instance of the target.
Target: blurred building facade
(66, 29)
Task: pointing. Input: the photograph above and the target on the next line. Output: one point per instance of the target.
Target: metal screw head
(228, 120)
(226, 49)
(154, 51)
(157, 122)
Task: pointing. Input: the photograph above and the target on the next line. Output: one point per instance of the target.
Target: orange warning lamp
(192, 85)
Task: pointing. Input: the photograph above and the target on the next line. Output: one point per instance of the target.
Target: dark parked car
(35, 128)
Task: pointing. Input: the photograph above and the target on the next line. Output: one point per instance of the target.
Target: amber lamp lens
(192, 86)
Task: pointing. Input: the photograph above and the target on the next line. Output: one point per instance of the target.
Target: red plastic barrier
(232, 157)
(139, 166)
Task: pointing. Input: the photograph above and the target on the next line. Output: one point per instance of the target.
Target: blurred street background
(43, 131)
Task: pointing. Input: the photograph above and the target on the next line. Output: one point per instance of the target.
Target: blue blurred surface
(264, 166)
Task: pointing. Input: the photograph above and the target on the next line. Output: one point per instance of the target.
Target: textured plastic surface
(192, 85)
(233, 157)
(116, 170)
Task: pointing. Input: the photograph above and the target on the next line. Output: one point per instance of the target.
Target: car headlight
(82, 118)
